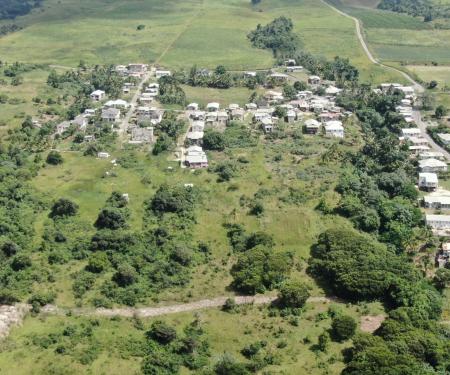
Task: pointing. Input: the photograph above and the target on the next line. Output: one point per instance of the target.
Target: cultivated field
(177, 34)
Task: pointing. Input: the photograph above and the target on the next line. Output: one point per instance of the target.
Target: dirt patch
(370, 323)
(11, 316)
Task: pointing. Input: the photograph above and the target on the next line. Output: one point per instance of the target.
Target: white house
(162, 73)
(103, 155)
(332, 90)
(192, 107)
(431, 155)
(444, 137)
(334, 129)
(291, 116)
(212, 107)
(438, 221)
(251, 107)
(98, 95)
(432, 165)
(428, 181)
(294, 68)
(196, 158)
(437, 202)
(314, 80)
(119, 103)
(410, 132)
(267, 124)
(249, 74)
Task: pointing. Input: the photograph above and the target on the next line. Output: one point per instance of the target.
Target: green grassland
(206, 33)
(119, 341)
(440, 74)
(294, 226)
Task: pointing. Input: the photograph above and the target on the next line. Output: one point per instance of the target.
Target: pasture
(206, 33)
(441, 74)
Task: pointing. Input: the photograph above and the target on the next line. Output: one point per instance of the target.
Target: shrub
(54, 158)
(161, 333)
(293, 294)
(343, 327)
(111, 218)
(63, 207)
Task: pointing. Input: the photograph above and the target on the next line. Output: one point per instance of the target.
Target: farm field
(395, 37)
(177, 35)
(441, 74)
(117, 345)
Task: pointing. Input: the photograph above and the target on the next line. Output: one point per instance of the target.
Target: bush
(63, 207)
(54, 158)
(293, 294)
(97, 263)
(343, 327)
(20, 262)
(213, 140)
(125, 275)
(161, 333)
(111, 218)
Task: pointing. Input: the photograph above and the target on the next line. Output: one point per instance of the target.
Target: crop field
(177, 34)
(441, 74)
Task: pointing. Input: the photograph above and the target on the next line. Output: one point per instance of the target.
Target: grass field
(115, 340)
(441, 74)
(206, 33)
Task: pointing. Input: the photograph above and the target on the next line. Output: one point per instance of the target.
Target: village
(314, 111)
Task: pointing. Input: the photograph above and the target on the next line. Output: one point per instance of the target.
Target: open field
(177, 35)
(441, 74)
(119, 342)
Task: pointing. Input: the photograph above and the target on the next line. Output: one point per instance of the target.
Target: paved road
(422, 125)
(126, 121)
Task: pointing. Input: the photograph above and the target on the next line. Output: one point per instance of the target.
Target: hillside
(221, 188)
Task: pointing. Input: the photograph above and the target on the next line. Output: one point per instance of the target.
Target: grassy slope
(224, 330)
(208, 33)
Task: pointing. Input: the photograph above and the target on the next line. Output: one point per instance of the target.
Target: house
(142, 135)
(197, 116)
(274, 96)
(119, 103)
(121, 69)
(196, 130)
(162, 73)
(153, 86)
(98, 95)
(237, 114)
(431, 155)
(334, 129)
(262, 113)
(312, 126)
(290, 62)
(438, 222)
(62, 127)
(222, 117)
(444, 137)
(267, 124)
(249, 74)
(314, 80)
(251, 107)
(328, 116)
(233, 106)
(418, 141)
(151, 115)
(103, 155)
(212, 107)
(137, 69)
(437, 202)
(279, 77)
(89, 112)
(192, 107)
(304, 94)
(332, 90)
(211, 118)
(386, 87)
(428, 181)
(432, 165)
(291, 116)
(446, 249)
(410, 132)
(80, 122)
(197, 126)
(126, 90)
(196, 158)
(152, 91)
(418, 149)
(146, 98)
(294, 68)
(111, 114)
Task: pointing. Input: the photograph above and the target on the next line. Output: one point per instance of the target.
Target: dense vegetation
(278, 36)
(14, 8)
(417, 8)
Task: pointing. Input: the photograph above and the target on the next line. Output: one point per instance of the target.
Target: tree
(289, 92)
(20, 262)
(125, 275)
(163, 143)
(293, 294)
(440, 111)
(343, 327)
(213, 140)
(97, 262)
(324, 341)
(300, 86)
(111, 218)
(227, 365)
(54, 158)
(442, 278)
(161, 332)
(63, 207)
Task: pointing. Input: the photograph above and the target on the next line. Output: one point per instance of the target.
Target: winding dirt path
(417, 86)
(147, 312)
